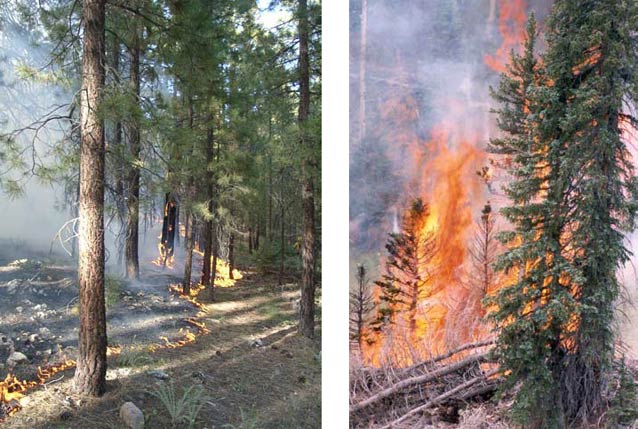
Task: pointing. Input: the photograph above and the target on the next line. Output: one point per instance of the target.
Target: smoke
(35, 217)
(428, 69)
(428, 64)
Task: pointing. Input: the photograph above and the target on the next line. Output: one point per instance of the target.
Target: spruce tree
(592, 61)
(531, 311)
(572, 198)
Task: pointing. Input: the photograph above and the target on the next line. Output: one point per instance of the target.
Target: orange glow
(511, 26)
(450, 188)
(12, 389)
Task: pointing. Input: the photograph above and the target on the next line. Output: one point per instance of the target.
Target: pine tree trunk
(307, 307)
(213, 268)
(282, 245)
(133, 200)
(256, 245)
(188, 262)
(269, 228)
(91, 363)
(208, 227)
(187, 227)
(250, 240)
(231, 255)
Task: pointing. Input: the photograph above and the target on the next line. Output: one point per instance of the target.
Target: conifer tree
(572, 197)
(406, 277)
(361, 303)
(532, 311)
(592, 58)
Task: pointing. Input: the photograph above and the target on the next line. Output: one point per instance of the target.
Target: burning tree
(572, 194)
(484, 252)
(407, 270)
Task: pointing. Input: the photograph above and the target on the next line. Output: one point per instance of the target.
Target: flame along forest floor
(252, 368)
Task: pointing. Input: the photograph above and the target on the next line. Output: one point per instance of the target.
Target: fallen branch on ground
(421, 379)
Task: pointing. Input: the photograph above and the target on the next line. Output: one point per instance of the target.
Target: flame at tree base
(449, 308)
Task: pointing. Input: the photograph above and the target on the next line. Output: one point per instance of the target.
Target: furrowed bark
(307, 302)
(91, 363)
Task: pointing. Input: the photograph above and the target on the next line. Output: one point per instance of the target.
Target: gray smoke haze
(425, 65)
(32, 218)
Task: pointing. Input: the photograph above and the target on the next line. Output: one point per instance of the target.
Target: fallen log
(446, 395)
(448, 355)
(421, 379)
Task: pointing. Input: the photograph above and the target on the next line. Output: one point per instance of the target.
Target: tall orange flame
(511, 26)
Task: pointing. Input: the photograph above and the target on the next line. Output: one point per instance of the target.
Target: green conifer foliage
(572, 199)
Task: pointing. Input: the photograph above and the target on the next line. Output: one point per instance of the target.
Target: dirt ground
(250, 371)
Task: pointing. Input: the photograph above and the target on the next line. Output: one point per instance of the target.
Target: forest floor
(249, 370)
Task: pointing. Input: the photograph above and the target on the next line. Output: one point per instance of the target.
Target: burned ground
(250, 370)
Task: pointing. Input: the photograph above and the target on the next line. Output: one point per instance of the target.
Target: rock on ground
(132, 416)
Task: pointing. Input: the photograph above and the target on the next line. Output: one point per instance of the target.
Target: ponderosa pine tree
(90, 374)
(307, 303)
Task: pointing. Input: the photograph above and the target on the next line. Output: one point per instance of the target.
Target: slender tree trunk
(282, 245)
(91, 363)
(256, 246)
(190, 221)
(187, 226)
(231, 255)
(208, 227)
(269, 226)
(307, 307)
(133, 200)
(188, 263)
(250, 240)
(213, 268)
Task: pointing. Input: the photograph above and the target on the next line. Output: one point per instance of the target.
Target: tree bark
(190, 221)
(307, 303)
(231, 255)
(91, 363)
(282, 244)
(188, 263)
(133, 200)
(208, 227)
